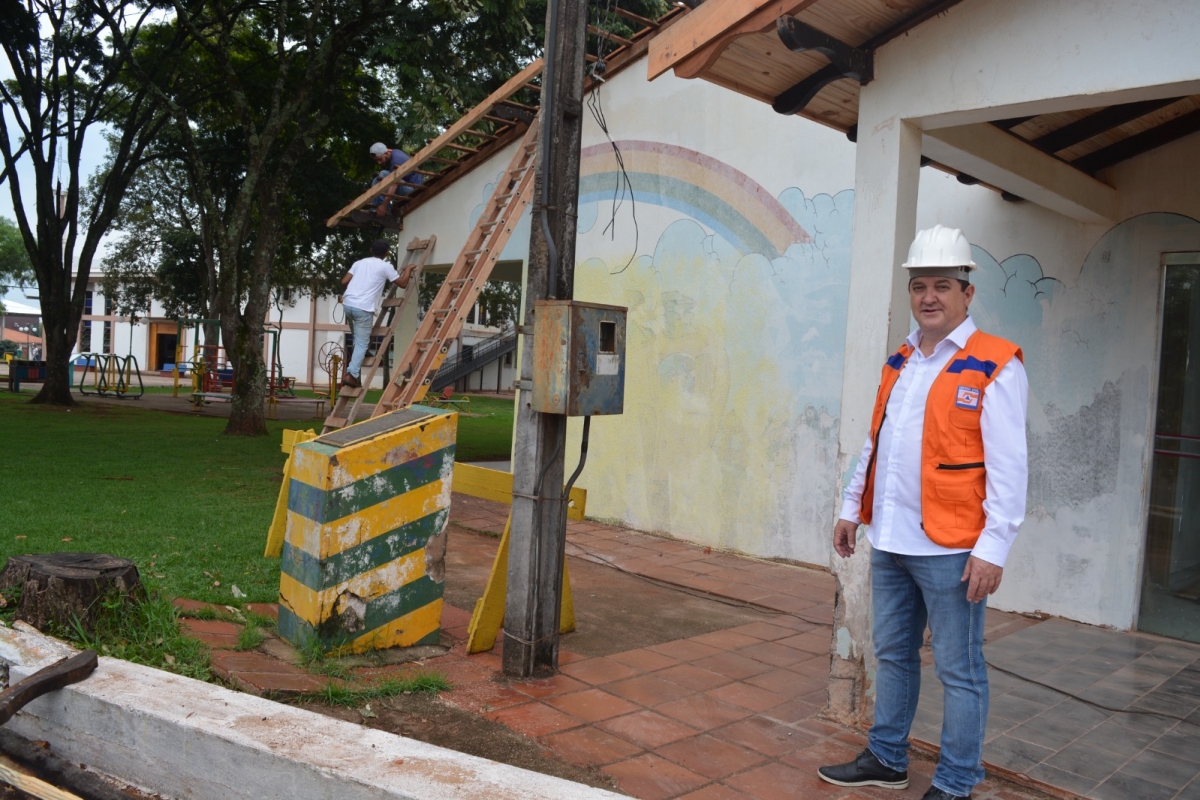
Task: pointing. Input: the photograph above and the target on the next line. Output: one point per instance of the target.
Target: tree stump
(62, 587)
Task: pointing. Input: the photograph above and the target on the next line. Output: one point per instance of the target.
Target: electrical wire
(547, 139)
(596, 107)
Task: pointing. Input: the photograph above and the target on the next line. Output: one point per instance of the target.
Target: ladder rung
(381, 330)
(349, 391)
(392, 302)
(459, 280)
(426, 341)
(475, 252)
(441, 311)
(335, 422)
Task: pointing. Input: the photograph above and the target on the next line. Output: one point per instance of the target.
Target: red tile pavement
(727, 714)
(648, 729)
(654, 778)
(214, 633)
(535, 719)
(590, 746)
(592, 705)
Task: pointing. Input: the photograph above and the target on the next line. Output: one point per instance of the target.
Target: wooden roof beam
(612, 37)
(1094, 124)
(1011, 164)
(459, 128)
(705, 31)
(1139, 143)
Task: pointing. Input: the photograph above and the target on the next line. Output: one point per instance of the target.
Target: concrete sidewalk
(728, 713)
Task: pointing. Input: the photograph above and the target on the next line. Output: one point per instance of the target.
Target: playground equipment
(180, 324)
(330, 358)
(112, 375)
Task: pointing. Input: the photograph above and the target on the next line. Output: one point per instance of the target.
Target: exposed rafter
(1094, 124)
(1139, 143)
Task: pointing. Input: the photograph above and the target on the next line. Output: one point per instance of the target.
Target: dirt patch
(430, 719)
(614, 610)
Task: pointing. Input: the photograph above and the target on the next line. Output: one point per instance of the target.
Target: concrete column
(887, 164)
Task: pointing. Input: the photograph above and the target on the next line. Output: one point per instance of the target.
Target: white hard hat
(940, 251)
(378, 149)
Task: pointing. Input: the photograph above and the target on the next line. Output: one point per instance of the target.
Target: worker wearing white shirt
(941, 484)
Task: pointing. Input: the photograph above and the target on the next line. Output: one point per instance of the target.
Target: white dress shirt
(896, 519)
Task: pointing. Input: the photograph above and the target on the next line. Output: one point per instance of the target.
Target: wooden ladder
(349, 399)
(444, 319)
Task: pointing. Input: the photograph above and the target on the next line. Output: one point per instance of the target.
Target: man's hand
(984, 578)
(845, 536)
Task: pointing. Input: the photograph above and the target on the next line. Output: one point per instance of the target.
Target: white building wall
(736, 334)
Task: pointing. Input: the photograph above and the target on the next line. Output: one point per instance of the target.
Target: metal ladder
(420, 362)
(349, 399)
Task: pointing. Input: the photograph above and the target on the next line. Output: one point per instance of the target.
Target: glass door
(1171, 584)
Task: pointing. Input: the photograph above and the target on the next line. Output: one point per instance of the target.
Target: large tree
(16, 270)
(67, 86)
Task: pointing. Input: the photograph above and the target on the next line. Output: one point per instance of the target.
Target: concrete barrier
(184, 738)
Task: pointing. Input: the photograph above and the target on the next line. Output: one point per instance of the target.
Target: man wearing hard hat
(941, 484)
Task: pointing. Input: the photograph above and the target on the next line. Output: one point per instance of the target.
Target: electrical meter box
(578, 358)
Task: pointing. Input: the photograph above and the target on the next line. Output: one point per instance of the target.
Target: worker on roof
(941, 484)
(392, 159)
(363, 284)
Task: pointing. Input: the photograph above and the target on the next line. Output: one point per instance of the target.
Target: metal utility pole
(538, 532)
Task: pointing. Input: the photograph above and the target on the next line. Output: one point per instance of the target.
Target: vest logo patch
(967, 397)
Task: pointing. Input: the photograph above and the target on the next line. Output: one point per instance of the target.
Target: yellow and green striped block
(364, 552)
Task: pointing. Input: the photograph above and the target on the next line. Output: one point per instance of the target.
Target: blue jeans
(907, 591)
(361, 322)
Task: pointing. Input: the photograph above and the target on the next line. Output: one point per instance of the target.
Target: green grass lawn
(189, 505)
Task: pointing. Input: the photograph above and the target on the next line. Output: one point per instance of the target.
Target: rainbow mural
(711, 192)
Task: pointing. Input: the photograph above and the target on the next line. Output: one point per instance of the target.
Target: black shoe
(864, 771)
(935, 793)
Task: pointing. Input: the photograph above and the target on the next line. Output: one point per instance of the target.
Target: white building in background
(307, 329)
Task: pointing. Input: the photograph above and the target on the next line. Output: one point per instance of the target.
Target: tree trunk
(63, 587)
(57, 388)
(246, 418)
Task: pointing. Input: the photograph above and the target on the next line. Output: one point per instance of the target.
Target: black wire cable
(596, 107)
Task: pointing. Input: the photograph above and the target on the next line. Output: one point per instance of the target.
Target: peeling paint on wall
(1076, 459)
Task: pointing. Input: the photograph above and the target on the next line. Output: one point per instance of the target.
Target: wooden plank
(609, 35)
(491, 484)
(629, 15)
(698, 28)
(459, 128)
(761, 21)
(14, 775)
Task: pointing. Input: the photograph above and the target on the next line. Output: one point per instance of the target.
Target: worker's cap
(940, 252)
(378, 149)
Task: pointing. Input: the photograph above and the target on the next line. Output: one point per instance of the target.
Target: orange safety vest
(953, 476)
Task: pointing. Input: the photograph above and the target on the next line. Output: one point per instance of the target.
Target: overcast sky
(94, 148)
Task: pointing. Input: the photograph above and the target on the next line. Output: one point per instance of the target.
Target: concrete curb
(184, 738)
